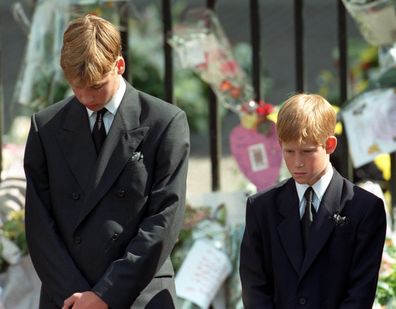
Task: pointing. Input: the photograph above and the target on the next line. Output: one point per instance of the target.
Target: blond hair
(90, 49)
(306, 118)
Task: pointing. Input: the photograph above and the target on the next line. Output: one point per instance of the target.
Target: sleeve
(157, 234)
(367, 259)
(257, 289)
(59, 274)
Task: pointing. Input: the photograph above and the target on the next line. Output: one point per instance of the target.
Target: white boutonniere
(338, 219)
(136, 156)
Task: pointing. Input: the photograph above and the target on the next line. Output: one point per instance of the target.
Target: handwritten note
(259, 156)
(202, 273)
(370, 124)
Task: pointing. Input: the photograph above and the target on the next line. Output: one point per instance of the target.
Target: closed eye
(97, 86)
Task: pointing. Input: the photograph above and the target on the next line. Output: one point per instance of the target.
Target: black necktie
(99, 131)
(308, 216)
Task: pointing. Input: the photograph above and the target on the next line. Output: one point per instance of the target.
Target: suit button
(75, 196)
(115, 236)
(77, 240)
(302, 301)
(121, 193)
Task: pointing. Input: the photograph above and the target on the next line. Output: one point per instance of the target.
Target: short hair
(90, 49)
(306, 118)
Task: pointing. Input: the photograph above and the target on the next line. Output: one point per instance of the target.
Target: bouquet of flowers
(201, 44)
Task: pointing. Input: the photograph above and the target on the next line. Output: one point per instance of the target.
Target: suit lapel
(75, 132)
(289, 228)
(333, 201)
(124, 137)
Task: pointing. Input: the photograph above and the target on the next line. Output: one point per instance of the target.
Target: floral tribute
(209, 223)
(201, 45)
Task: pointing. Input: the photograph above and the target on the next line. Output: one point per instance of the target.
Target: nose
(299, 162)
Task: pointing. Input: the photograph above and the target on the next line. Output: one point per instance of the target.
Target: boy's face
(307, 163)
(96, 96)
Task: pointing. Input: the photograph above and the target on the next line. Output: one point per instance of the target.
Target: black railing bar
(299, 44)
(211, 4)
(342, 51)
(124, 12)
(214, 129)
(347, 169)
(168, 58)
(392, 183)
(256, 47)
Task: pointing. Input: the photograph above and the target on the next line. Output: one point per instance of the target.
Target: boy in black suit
(103, 213)
(315, 240)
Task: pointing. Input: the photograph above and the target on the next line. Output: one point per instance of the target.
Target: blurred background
(31, 79)
(277, 63)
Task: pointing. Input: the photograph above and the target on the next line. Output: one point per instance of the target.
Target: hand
(84, 300)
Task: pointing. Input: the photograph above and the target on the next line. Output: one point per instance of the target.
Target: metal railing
(255, 35)
(345, 168)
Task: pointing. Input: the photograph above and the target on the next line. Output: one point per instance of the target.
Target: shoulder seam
(34, 122)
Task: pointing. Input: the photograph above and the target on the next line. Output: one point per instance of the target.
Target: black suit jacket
(341, 264)
(106, 224)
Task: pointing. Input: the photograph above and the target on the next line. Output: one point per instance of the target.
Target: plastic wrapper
(41, 81)
(387, 57)
(376, 20)
(201, 45)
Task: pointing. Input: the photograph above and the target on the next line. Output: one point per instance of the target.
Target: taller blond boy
(315, 240)
(102, 217)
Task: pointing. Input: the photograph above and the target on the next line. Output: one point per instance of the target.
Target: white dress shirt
(111, 106)
(319, 189)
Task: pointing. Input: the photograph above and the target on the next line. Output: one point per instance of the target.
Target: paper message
(259, 156)
(202, 273)
(370, 123)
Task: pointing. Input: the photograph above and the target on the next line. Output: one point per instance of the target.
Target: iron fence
(345, 165)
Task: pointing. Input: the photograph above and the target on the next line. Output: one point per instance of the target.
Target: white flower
(339, 220)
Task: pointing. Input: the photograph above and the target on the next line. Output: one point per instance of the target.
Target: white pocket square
(136, 156)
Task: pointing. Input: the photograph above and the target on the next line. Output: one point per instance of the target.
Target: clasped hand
(84, 300)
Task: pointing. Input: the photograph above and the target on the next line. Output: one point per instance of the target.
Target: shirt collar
(319, 187)
(114, 103)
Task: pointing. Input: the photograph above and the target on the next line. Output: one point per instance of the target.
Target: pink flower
(229, 67)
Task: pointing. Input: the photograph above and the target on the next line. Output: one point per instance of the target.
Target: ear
(120, 65)
(280, 142)
(331, 144)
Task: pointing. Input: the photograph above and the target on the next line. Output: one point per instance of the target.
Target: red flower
(228, 87)
(264, 109)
